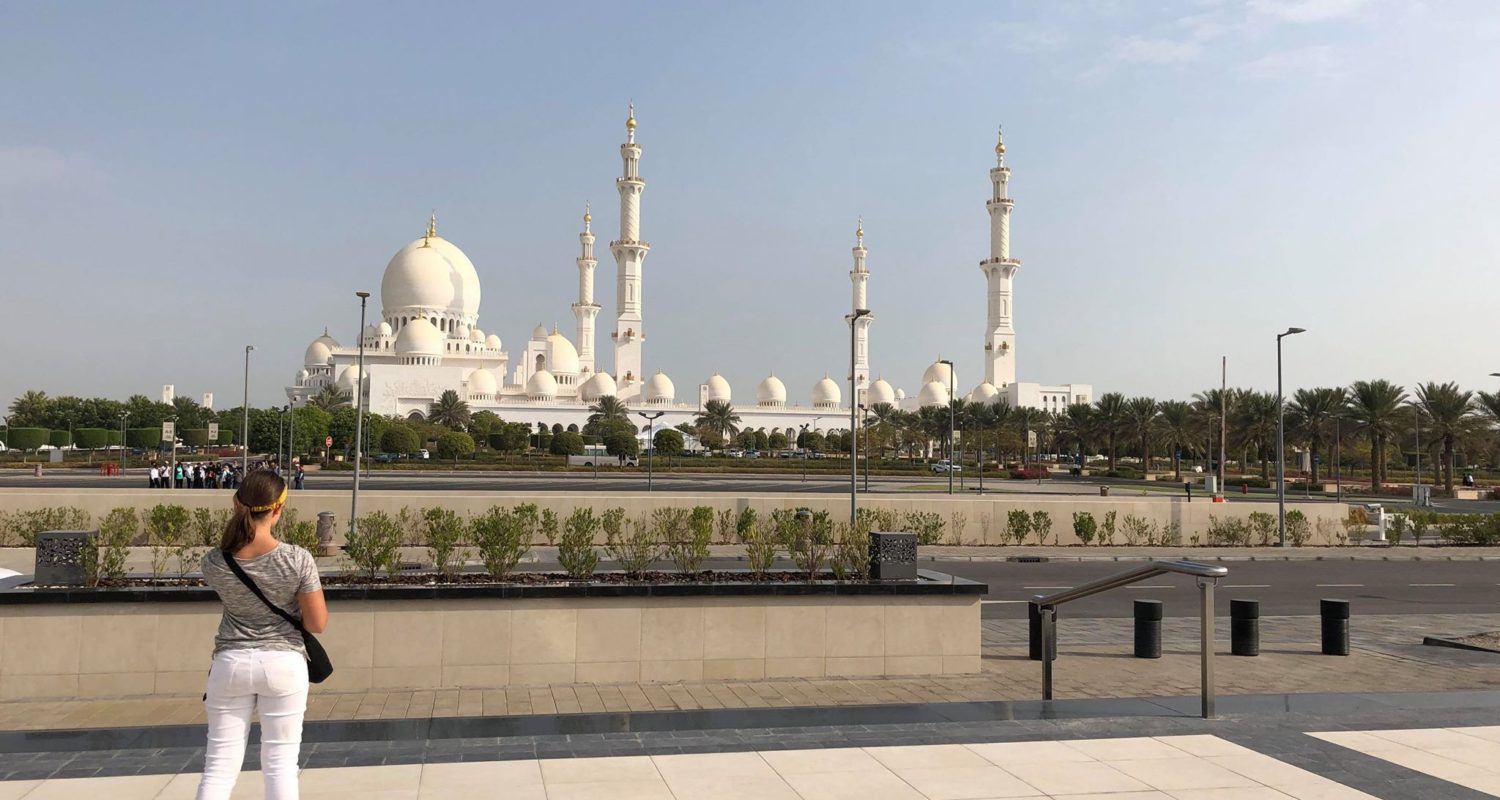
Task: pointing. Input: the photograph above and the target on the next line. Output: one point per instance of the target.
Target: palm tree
(1489, 404)
(610, 409)
(1255, 418)
(718, 416)
(1311, 410)
(1025, 419)
(1215, 410)
(1140, 421)
(30, 409)
(1109, 421)
(885, 423)
(450, 411)
(1375, 407)
(1177, 425)
(1450, 413)
(1076, 426)
(932, 424)
(330, 397)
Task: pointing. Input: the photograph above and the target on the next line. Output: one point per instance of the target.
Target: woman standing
(259, 658)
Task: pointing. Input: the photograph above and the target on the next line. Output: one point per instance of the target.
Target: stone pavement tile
(1134, 749)
(963, 783)
(746, 764)
(599, 770)
(872, 785)
(184, 786)
(833, 759)
(542, 700)
(1005, 754)
(1188, 772)
(612, 790)
(731, 787)
(1236, 793)
(1278, 774)
(1079, 777)
(128, 787)
(477, 778)
(15, 790)
(932, 756)
(1203, 744)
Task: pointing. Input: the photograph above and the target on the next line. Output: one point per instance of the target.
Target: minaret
(860, 277)
(586, 310)
(630, 254)
(999, 269)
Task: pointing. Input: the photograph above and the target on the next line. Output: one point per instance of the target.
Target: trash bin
(1104, 491)
(325, 534)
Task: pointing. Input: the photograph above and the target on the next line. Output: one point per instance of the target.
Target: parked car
(388, 458)
(944, 466)
(423, 454)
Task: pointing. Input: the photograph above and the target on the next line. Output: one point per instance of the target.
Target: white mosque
(429, 340)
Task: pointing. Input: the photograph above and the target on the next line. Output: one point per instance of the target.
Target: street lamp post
(173, 483)
(651, 418)
(950, 422)
(1280, 442)
(864, 424)
(124, 415)
(806, 451)
(359, 416)
(854, 407)
(245, 407)
(1338, 484)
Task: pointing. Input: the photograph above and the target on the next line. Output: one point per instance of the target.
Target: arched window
(541, 362)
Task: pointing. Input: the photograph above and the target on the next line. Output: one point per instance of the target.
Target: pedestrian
(178, 475)
(1188, 485)
(154, 476)
(260, 662)
(301, 477)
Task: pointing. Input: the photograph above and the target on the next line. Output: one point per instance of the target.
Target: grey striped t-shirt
(283, 573)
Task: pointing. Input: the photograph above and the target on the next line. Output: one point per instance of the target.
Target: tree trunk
(1314, 448)
(1146, 454)
(1375, 461)
(1448, 464)
(1111, 451)
(1176, 463)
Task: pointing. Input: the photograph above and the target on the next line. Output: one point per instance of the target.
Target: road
(1284, 588)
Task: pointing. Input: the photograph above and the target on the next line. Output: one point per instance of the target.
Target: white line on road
(1046, 587)
(1163, 586)
(1431, 584)
(1337, 585)
(1247, 586)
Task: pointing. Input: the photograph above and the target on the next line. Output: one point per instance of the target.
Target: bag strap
(239, 572)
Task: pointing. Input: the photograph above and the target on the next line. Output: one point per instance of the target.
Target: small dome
(318, 354)
(933, 394)
(880, 392)
(826, 393)
(562, 357)
(984, 393)
(718, 388)
(539, 333)
(461, 332)
(541, 385)
(482, 383)
(384, 329)
(476, 335)
(601, 385)
(771, 392)
(419, 338)
(941, 373)
(302, 376)
(492, 341)
(900, 395)
(659, 390)
(348, 377)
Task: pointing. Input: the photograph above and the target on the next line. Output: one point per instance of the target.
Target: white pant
(238, 682)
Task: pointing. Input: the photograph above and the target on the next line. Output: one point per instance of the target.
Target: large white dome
(826, 393)
(420, 280)
(562, 357)
(942, 373)
(419, 338)
(718, 388)
(348, 377)
(383, 329)
(933, 394)
(879, 392)
(482, 383)
(659, 390)
(771, 392)
(492, 341)
(318, 353)
(600, 385)
(541, 385)
(984, 393)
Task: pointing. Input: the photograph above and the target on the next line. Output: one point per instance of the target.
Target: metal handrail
(1208, 577)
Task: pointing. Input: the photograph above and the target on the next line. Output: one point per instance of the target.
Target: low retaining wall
(119, 643)
(1192, 518)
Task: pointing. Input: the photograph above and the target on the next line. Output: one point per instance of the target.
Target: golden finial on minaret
(630, 123)
(587, 216)
(431, 230)
(554, 329)
(1000, 141)
(859, 233)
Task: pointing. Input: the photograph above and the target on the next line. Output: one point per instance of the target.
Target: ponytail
(261, 493)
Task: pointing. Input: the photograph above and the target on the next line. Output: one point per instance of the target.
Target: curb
(1047, 558)
(1433, 641)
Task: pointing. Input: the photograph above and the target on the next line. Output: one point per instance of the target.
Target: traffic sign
(328, 441)
(213, 432)
(169, 431)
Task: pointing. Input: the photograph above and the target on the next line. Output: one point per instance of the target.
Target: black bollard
(1244, 627)
(1335, 615)
(1034, 629)
(1148, 629)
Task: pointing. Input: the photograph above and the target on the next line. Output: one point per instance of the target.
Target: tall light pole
(1280, 442)
(651, 418)
(124, 415)
(359, 416)
(950, 422)
(854, 407)
(245, 406)
(1338, 483)
(864, 425)
(1224, 418)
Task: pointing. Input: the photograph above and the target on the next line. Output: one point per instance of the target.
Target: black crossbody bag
(319, 667)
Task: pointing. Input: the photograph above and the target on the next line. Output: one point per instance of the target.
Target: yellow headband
(264, 509)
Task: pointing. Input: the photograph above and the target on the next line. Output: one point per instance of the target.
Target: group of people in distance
(223, 475)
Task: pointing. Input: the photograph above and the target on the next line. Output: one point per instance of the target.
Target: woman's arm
(314, 611)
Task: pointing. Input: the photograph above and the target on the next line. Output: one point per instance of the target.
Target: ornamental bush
(195, 437)
(167, 531)
(566, 443)
(26, 438)
(400, 439)
(633, 544)
(455, 445)
(374, 545)
(59, 438)
(500, 539)
(91, 438)
(443, 530)
(575, 550)
(1084, 527)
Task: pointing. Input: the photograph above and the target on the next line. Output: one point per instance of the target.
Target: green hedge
(26, 438)
(226, 435)
(93, 438)
(59, 438)
(195, 437)
(143, 437)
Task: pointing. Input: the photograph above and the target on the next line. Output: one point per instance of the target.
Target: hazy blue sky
(178, 180)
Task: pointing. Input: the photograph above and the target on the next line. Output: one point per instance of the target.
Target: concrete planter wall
(119, 643)
(1192, 517)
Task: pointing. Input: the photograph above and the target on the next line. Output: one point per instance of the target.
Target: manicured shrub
(530, 520)
(59, 439)
(728, 531)
(26, 438)
(685, 535)
(1298, 528)
(300, 532)
(444, 531)
(374, 545)
(808, 543)
(1262, 528)
(92, 438)
(632, 544)
(575, 551)
(23, 526)
(549, 525)
(851, 555)
(105, 562)
(1107, 532)
(1018, 524)
(1084, 526)
(454, 445)
(400, 439)
(168, 532)
(195, 437)
(501, 540)
(927, 525)
(1041, 525)
(143, 437)
(566, 443)
(761, 546)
